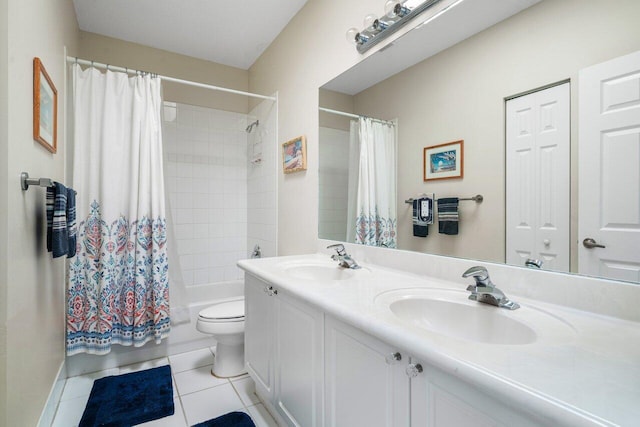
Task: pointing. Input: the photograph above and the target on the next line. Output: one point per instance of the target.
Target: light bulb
(394, 8)
(352, 35)
(389, 8)
(369, 20)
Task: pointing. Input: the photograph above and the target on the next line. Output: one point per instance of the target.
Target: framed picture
(294, 155)
(444, 161)
(45, 108)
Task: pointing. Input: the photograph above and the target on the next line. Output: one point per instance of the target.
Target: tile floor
(198, 396)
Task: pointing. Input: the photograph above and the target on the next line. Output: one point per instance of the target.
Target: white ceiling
(230, 32)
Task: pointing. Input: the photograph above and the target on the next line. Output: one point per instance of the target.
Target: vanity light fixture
(397, 14)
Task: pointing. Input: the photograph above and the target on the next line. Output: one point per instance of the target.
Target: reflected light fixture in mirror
(397, 14)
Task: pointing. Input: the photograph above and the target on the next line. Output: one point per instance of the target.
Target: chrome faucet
(485, 291)
(343, 258)
(533, 263)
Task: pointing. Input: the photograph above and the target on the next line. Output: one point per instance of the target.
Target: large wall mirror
(477, 91)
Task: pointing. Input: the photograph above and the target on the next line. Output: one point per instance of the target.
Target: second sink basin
(450, 313)
(323, 272)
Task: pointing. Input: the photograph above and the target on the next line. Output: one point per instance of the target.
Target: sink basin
(321, 272)
(450, 313)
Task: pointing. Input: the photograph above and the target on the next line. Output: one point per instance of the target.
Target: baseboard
(50, 407)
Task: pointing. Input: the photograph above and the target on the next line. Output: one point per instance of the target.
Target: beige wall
(33, 287)
(339, 102)
(108, 50)
(310, 51)
(4, 206)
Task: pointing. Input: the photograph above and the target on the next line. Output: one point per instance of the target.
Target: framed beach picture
(444, 161)
(294, 155)
(45, 108)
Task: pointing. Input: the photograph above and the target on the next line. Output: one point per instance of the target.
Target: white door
(259, 326)
(609, 153)
(299, 356)
(364, 384)
(441, 400)
(537, 178)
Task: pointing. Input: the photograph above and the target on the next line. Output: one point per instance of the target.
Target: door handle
(589, 243)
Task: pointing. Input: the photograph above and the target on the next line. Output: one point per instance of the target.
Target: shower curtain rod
(169, 79)
(354, 116)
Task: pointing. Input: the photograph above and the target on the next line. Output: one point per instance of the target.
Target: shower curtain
(376, 219)
(118, 287)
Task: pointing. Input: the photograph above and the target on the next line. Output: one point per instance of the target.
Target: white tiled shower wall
(334, 179)
(206, 175)
(262, 170)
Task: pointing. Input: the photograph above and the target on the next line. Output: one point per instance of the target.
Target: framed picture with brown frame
(294, 155)
(444, 161)
(45, 108)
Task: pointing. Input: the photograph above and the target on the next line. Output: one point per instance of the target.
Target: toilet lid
(224, 310)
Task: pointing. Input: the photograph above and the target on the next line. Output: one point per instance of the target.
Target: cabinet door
(299, 354)
(259, 334)
(441, 400)
(364, 386)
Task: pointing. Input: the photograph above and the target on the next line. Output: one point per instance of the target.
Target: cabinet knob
(271, 291)
(393, 358)
(413, 370)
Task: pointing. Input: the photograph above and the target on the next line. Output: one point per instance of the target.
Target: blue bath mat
(232, 419)
(130, 399)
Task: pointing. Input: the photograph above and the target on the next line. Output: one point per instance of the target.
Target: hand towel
(71, 221)
(422, 216)
(51, 196)
(57, 232)
(448, 216)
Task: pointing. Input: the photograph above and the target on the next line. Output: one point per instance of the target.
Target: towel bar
(478, 198)
(25, 181)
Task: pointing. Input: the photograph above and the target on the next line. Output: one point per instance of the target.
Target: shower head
(251, 126)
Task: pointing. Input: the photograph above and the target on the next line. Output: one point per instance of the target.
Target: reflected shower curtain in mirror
(354, 171)
(376, 220)
(118, 287)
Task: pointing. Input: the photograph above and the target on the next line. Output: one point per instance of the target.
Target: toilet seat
(224, 312)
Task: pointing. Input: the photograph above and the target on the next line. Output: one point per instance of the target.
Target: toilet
(225, 322)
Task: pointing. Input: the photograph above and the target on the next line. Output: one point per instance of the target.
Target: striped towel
(71, 221)
(422, 216)
(57, 230)
(448, 216)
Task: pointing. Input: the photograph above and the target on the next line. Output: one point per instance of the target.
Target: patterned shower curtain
(118, 287)
(376, 220)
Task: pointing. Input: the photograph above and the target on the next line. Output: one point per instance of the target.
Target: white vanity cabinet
(441, 400)
(313, 370)
(284, 352)
(365, 379)
(371, 383)
(259, 334)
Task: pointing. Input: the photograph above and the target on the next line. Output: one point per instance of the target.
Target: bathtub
(183, 337)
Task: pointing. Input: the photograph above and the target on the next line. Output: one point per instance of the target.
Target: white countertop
(587, 373)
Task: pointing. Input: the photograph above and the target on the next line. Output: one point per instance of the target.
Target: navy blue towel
(448, 216)
(61, 220)
(71, 221)
(57, 233)
(422, 216)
